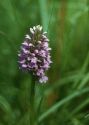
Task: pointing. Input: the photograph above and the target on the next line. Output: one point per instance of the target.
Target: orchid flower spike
(34, 55)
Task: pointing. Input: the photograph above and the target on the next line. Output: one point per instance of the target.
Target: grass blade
(63, 101)
(44, 13)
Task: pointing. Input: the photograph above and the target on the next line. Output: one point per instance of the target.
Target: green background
(64, 100)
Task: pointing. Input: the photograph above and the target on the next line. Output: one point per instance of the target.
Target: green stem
(32, 108)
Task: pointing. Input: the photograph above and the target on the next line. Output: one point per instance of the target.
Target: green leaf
(60, 103)
(4, 105)
(44, 13)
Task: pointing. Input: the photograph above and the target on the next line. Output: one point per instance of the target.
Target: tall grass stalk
(32, 105)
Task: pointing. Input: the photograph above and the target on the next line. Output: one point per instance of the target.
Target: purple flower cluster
(34, 55)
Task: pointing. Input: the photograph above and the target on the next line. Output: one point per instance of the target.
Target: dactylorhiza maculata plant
(34, 56)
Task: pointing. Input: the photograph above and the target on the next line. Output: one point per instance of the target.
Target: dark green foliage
(67, 23)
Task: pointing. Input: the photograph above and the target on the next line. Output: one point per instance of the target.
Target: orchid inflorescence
(34, 55)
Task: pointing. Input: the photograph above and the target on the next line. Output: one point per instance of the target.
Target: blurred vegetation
(64, 100)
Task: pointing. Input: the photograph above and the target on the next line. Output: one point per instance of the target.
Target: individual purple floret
(34, 55)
